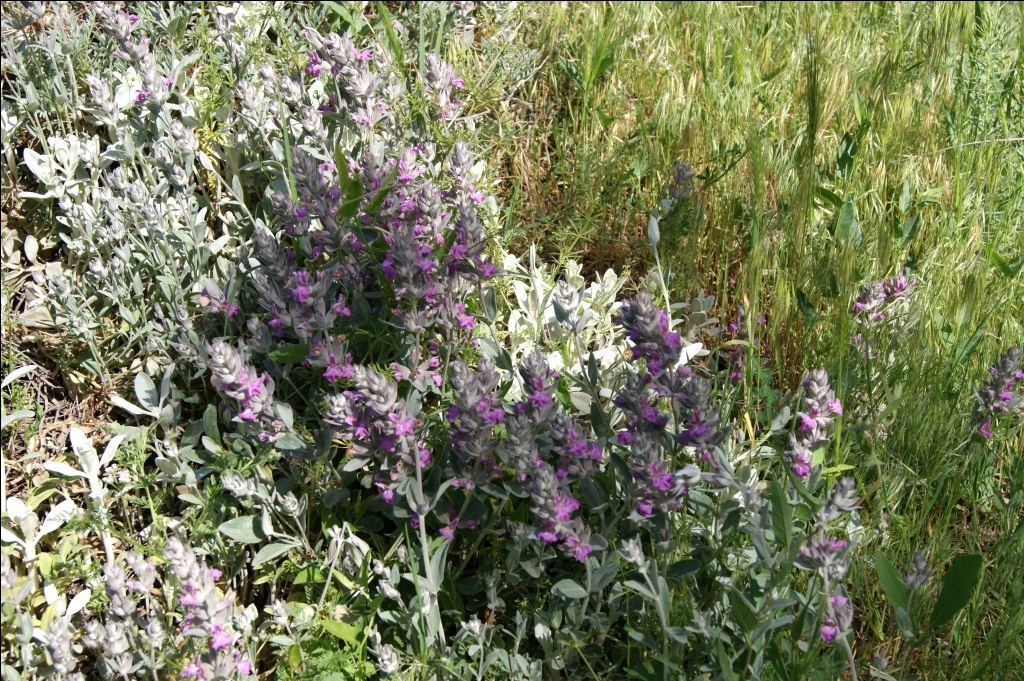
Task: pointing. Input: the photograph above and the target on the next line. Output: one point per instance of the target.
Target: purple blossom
(303, 290)
(880, 301)
(236, 379)
(314, 65)
(564, 506)
(821, 406)
(647, 328)
(824, 553)
(219, 639)
(192, 669)
(377, 423)
(998, 394)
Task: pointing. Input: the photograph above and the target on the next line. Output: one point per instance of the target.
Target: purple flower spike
(998, 394)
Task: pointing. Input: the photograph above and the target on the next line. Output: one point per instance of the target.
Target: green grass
(759, 98)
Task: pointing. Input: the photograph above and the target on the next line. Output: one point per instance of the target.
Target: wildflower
(388, 662)
(918, 574)
(829, 631)
(314, 65)
(821, 552)
(580, 550)
(840, 501)
(998, 395)
(647, 328)
(192, 670)
(821, 406)
(632, 551)
(220, 638)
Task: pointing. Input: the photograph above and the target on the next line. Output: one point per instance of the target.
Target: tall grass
(790, 113)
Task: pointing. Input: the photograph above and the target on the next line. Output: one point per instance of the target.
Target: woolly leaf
(246, 528)
(569, 589)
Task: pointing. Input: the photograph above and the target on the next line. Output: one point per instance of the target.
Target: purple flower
(835, 544)
(998, 394)
(303, 290)
(802, 464)
(564, 507)
(220, 639)
(188, 600)
(580, 550)
(314, 65)
(659, 479)
(333, 372)
(403, 426)
(191, 670)
(466, 321)
(540, 400)
(829, 631)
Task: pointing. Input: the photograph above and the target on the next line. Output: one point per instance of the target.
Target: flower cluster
(660, 487)
(736, 355)
(120, 25)
(821, 407)
(331, 354)
(549, 452)
(385, 221)
(441, 82)
(208, 616)
(648, 328)
(997, 394)
(300, 304)
(875, 299)
(682, 181)
(209, 642)
(476, 410)
(378, 424)
(919, 572)
(880, 301)
(838, 618)
(830, 557)
(252, 392)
